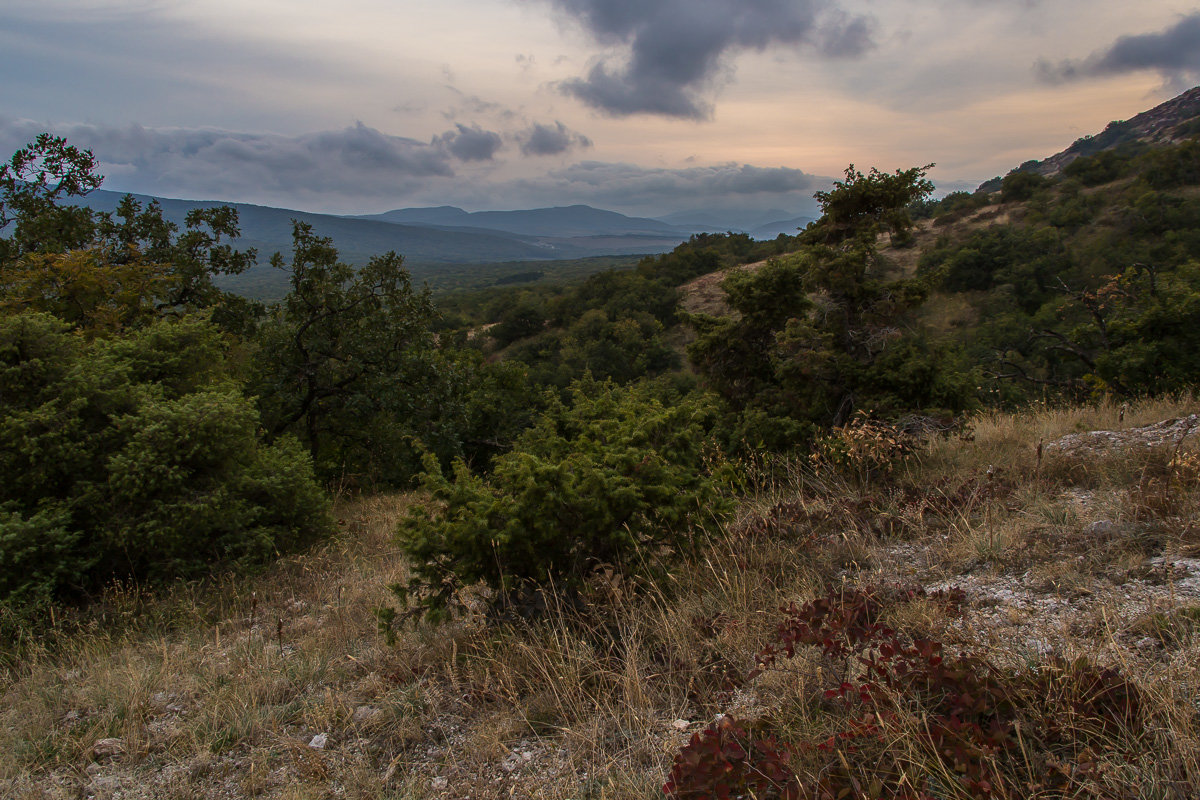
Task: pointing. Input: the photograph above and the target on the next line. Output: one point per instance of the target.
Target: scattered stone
(166, 703)
(108, 748)
(106, 783)
(511, 762)
(319, 741)
(1040, 646)
(364, 715)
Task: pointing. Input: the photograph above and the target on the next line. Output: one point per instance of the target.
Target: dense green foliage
(135, 457)
(142, 441)
(614, 478)
(128, 449)
(826, 331)
(1091, 286)
(350, 364)
(618, 324)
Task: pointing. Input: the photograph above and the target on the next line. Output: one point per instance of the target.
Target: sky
(648, 107)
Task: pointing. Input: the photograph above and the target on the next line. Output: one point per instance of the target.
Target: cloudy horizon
(648, 109)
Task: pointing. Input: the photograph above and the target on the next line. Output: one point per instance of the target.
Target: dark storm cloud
(550, 140)
(470, 143)
(1174, 52)
(676, 47)
(329, 166)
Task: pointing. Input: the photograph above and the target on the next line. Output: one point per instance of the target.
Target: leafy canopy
(135, 457)
(827, 331)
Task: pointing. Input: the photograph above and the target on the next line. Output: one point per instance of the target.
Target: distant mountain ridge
(790, 227)
(427, 249)
(269, 230)
(559, 221)
(440, 238)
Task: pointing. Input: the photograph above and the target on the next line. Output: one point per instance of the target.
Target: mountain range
(561, 222)
(431, 239)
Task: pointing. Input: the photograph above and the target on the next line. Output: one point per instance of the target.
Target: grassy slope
(217, 691)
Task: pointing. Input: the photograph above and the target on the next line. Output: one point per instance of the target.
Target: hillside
(282, 686)
(1053, 280)
(1167, 123)
(903, 507)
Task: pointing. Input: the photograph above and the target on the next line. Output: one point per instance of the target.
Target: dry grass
(704, 295)
(217, 691)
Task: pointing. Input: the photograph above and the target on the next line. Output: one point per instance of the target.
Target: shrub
(613, 478)
(1105, 166)
(349, 364)
(1021, 186)
(915, 723)
(137, 458)
(1171, 167)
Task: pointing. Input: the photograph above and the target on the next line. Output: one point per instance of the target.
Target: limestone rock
(1167, 433)
(108, 748)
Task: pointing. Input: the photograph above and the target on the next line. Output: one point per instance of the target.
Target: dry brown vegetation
(219, 690)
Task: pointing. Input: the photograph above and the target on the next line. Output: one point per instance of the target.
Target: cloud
(360, 169)
(470, 143)
(476, 106)
(677, 48)
(1173, 52)
(656, 191)
(357, 162)
(550, 140)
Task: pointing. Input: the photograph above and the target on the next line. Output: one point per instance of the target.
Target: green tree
(814, 334)
(349, 363)
(106, 271)
(194, 256)
(866, 205)
(1021, 186)
(136, 457)
(613, 479)
(525, 317)
(347, 360)
(32, 183)
(1134, 335)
